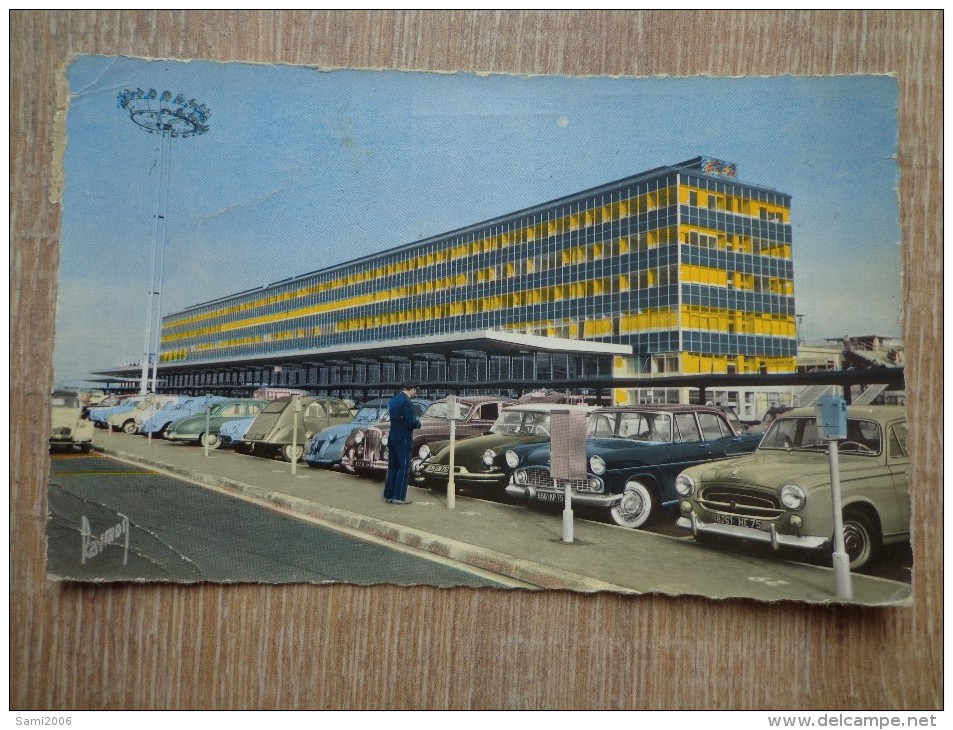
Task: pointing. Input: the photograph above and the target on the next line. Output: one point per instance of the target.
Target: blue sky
(304, 168)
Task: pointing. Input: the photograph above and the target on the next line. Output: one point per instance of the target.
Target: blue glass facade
(673, 261)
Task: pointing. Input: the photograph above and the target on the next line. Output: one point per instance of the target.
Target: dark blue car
(634, 454)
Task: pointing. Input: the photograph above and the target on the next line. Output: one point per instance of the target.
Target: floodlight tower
(169, 117)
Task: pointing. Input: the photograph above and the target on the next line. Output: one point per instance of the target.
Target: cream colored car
(781, 495)
(131, 421)
(69, 428)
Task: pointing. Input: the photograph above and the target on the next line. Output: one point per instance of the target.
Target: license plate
(438, 469)
(739, 521)
(550, 496)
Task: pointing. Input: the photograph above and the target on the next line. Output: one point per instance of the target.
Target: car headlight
(384, 439)
(423, 452)
(358, 437)
(792, 496)
(512, 459)
(598, 465)
(519, 476)
(685, 485)
(488, 457)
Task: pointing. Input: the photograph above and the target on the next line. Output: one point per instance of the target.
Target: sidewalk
(511, 540)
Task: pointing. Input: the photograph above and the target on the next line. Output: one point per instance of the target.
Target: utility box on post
(831, 414)
(567, 451)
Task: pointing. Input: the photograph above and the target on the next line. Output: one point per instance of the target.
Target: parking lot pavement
(510, 540)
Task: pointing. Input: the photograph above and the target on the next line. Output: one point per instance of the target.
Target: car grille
(541, 479)
(733, 500)
(372, 444)
(62, 431)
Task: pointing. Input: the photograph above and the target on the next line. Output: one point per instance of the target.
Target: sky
(304, 168)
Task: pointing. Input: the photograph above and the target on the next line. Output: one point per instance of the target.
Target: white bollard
(451, 484)
(840, 560)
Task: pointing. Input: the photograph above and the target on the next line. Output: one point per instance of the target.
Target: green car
(781, 495)
(201, 428)
(480, 461)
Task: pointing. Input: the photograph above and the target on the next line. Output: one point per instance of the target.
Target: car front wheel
(130, 426)
(289, 453)
(861, 540)
(636, 506)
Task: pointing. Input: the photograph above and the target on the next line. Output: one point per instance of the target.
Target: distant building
(677, 270)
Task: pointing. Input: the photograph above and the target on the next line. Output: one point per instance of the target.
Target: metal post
(840, 559)
(568, 535)
(294, 436)
(208, 414)
(831, 415)
(152, 416)
(452, 411)
(451, 484)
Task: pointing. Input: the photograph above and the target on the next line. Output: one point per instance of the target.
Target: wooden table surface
(340, 646)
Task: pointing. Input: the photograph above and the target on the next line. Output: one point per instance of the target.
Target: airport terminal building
(677, 270)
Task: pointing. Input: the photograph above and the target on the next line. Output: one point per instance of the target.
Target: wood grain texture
(148, 646)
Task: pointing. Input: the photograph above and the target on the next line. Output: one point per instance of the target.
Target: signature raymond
(93, 545)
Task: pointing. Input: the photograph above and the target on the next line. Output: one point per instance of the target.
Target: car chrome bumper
(462, 474)
(776, 539)
(587, 499)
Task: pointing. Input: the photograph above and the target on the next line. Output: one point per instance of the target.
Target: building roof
(480, 342)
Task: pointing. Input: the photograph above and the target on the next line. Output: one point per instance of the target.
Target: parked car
(770, 416)
(68, 427)
(366, 448)
(781, 494)
(201, 428)
(232, 433)
(327, 447)
(634, 454)
(94, 397)
(173, 411)
(479, 462)
(131, 420)
(99, 415)
(273, 430)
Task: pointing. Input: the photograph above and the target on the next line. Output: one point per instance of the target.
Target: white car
(68, 427)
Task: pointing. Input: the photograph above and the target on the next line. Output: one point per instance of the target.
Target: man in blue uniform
(403, 421)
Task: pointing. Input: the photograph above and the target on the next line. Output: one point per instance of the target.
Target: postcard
(635, 335)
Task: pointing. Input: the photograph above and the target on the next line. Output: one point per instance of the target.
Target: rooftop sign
(718, 167)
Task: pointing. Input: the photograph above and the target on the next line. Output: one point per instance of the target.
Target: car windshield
(639, 426)
(276, 406)
(523, 423)
(863, 437)
(439, 410)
